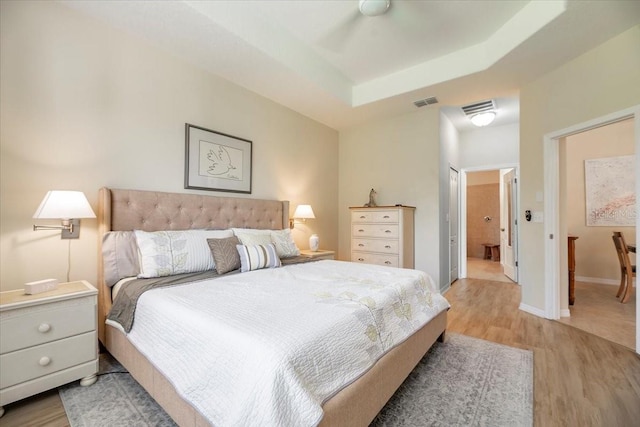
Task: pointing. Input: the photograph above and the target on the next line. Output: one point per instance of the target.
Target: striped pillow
(255, 257)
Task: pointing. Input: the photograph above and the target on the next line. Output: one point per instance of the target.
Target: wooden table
(572, 267)
(632, 248)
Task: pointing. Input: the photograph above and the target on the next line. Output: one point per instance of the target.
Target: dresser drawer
(24, 365)
(380, 259)
(376, 245)
(28, 327)
(390, 231)
(375, 216)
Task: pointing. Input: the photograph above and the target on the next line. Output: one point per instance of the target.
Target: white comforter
(268, 347)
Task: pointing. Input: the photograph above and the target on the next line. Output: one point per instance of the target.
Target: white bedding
(269, 347)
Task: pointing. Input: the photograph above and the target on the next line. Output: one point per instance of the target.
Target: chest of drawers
(47, 340)
(383, 235)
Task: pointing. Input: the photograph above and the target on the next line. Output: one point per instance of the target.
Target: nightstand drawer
(375, 230)
(24, 365)
(368, 258)
(374, 216)
(32, 326)
(374, 245)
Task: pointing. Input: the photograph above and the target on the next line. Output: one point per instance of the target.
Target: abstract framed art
(216, 161)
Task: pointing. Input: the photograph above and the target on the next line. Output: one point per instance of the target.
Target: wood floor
(579, 379)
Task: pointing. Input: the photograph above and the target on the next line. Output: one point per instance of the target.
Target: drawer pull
(361, 245)
(361, 231)
(360, 259)
(386, 217)
(44, 327)
(388, 262)
(387, 247)
(387, 231)
(44, 361)
(362, 217)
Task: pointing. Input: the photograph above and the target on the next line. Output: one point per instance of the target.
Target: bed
(355, 403)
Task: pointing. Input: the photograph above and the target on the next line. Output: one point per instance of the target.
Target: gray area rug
(462, 382)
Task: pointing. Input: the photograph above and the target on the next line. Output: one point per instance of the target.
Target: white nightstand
(319, 254)
(47, 340)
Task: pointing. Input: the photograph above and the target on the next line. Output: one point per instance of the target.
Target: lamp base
(74, 231)
(314, 242)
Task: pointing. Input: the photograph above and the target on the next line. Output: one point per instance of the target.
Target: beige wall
(599, 82)
(595, 254)
(399, 158)
(85, 105)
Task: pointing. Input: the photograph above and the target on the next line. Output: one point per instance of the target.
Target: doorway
(488, 225)
(554, 234)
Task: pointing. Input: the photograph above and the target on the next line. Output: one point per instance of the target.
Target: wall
(599, 82)
(483, 200)
(596, 257)
(398, 157)
(85, 105)
(492, 145)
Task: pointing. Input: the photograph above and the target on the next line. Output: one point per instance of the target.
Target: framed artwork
(216, 161)
(610, 191)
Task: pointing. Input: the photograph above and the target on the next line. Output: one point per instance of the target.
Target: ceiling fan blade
(339, 35)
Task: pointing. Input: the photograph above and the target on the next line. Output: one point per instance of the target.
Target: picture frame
(216, 161)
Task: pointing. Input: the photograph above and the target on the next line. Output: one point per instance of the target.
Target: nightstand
(319, 254)
(47, 340)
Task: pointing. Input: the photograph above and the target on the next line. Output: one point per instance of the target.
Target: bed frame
(122, 210)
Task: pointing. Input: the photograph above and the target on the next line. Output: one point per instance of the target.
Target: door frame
(462, 210)
(552, 247)
(457, 198)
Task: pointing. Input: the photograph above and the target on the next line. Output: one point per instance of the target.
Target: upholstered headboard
(127, 210)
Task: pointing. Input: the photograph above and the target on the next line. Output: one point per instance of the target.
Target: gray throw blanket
(124, 306)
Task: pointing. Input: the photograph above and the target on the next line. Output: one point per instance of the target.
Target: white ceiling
(325, 60)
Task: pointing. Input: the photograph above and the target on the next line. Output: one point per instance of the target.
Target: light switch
(538, 216)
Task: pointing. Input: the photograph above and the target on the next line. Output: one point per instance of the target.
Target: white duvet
(268, 347)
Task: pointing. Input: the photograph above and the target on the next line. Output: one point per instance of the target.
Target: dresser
(47, 340)
(383, 235)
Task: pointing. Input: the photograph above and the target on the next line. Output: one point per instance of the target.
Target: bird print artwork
(220, 161)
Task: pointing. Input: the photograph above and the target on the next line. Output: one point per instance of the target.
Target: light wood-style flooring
(579, 379)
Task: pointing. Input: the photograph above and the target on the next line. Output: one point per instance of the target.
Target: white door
(509, 225)
(453, 225)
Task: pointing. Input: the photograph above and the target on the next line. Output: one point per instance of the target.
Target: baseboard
(601, 281)
(564, 312)
(532, 310)
(445, 290)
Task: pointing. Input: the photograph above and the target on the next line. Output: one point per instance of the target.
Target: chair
(627, 270)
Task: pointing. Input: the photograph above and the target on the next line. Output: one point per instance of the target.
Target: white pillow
(255, 257)
(165, 253)
(285, 246)
(252, 237)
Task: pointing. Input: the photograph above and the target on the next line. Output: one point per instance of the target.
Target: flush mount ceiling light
(483, 119)
(374, 7)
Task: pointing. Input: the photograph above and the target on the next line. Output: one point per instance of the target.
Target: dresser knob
(386, 216)
(387, 262)
(361, 245)
(362, 217)
(44, 327)
(387, 247)
(361, 231)
(360, 259)
(44, 361)
(387, 231)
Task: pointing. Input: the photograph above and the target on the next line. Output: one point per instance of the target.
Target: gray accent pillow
(120, 256)
(225, 254)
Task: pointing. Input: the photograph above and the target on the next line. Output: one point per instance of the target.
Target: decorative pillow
(255, 257)
(165, 253)
(120, 256)
(285, 246)
(250, 236)
(225, 254)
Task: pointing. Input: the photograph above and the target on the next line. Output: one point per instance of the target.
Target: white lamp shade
(483, 119)
(303, 212)
(64, 205)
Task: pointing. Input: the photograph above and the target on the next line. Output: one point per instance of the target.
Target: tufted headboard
(127, 210)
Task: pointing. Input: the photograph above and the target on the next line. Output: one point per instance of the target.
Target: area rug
(462, 382)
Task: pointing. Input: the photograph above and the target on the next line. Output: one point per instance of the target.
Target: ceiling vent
(426, 101)
(479, 107)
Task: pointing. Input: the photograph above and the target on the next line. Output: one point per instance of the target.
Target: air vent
(426, 101)
(479, 107)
